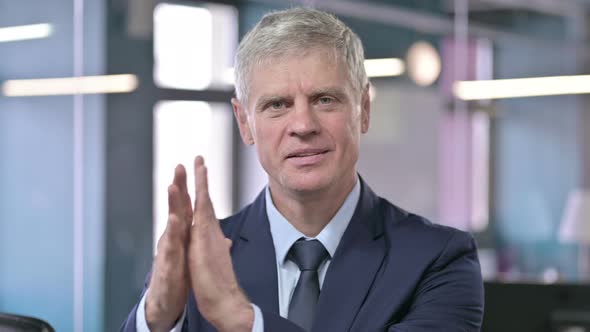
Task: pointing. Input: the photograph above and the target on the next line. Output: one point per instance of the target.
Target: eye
(277, 105)
(325, 100)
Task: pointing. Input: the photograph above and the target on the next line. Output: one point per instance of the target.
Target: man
(317, 250)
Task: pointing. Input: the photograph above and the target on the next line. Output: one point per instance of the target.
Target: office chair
(17, 323)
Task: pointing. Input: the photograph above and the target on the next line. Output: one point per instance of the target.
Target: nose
(303, 121)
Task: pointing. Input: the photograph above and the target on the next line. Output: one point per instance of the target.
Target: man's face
(305, 118)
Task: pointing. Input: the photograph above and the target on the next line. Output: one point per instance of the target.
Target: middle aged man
(317, 250)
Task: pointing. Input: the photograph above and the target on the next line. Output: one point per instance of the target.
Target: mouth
(307, 157)
(307, 153)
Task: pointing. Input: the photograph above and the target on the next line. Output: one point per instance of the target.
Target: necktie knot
(308, 255)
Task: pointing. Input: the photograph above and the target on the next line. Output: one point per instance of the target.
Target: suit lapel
(353, 267)
(254, 258)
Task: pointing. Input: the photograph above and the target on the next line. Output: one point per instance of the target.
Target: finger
(180, 181)
(175, 225)
(203, 205)
(180, 177)
(175, 204)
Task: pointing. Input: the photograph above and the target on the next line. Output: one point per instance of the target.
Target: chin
(308, 182)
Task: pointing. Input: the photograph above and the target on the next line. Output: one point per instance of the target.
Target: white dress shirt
(283, 237)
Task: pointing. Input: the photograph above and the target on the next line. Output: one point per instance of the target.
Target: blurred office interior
(100, 99)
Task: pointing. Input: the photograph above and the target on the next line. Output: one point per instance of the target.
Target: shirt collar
(284, 234)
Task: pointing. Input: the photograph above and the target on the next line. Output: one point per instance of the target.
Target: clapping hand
(194, 253)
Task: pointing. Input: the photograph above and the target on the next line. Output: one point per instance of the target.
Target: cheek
(267, 138)
(352, 128)
(345, 135)
(351, 136)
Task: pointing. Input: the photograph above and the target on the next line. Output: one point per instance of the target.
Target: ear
(242, 121)
(365, 109)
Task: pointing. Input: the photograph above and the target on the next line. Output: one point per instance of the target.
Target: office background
(82, 171)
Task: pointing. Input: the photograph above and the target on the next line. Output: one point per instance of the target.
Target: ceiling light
(522, 87)
(23, 32)
(384, 67)
(424, 64)
(70, 85)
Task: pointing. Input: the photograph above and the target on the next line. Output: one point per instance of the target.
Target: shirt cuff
(258, 325)
(141, 322)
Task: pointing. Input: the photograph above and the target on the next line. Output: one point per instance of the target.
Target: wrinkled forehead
(332, 64)
(306, 70)
(326, 53)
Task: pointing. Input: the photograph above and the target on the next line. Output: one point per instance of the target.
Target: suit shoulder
(432, 244)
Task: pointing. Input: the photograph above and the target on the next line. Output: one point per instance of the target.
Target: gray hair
(282, 32)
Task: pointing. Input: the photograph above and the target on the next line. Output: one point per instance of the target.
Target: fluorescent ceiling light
(70, 85)
(384, 67)
(522, 87)
(23, 32)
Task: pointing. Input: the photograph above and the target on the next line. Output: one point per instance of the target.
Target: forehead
(299, 72)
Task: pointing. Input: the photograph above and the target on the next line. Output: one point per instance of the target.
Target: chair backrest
(17, 323)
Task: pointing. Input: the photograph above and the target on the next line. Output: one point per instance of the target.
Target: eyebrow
(265, 100)
(337, 92)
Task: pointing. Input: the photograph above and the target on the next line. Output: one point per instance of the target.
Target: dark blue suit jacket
(392, 271)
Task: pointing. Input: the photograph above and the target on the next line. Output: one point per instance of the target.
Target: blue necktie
(308, 255)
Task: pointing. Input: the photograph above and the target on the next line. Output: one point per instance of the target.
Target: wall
(36, 179)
